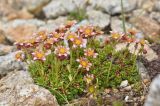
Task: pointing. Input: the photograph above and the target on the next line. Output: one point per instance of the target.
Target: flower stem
(123, 17)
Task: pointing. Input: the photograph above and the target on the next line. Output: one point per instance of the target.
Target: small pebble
(124, 84)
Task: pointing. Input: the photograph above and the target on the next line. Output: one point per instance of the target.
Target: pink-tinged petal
(72, 39)
(87, 69)
(43, 58)
(79, 66)
(93, 33)
(74, 46)
(78, 60)
(67, 48)
(59, 54)
(35, 58)
(65, 55)
(33, 53)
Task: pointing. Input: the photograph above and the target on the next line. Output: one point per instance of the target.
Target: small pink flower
(71, 36)
(20, 56)
(79, 42)
(88, 78)
(116, 35)
(41, 36)
(58, 36)
(84, 63)
(39, 55)
(90, 53)
(87, 31)
(62, 51)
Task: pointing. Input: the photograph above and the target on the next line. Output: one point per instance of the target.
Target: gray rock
(18, 89)
(61, 7)
(157, 5)
(114, 6)
(155, 16)
(5, 49)
(147, 25)
(150, 55)
(9, 63)
(53, 24)
(154, 93)
(98, 18)
(21, 29)
(142, 70)
(117, 25)
(35, 6)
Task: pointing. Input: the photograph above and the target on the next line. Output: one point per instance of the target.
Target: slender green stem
(71, 58)
(65, 98)
(123, 17)
(75, 75)
(56, 63)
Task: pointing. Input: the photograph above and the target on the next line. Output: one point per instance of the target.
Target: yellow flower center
(84, 63)
(70, 36)
(39, 55)
(88, 79)
(78, 41)
(90, 52)
(62, 50)
(115, 35)
(88, 31)
(18, 56)
(142, 41)
(57, 35)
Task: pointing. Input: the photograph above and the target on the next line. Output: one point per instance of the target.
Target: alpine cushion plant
(74, 64)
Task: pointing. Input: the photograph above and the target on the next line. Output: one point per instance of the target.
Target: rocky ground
(20, 18)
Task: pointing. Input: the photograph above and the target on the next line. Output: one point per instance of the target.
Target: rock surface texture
(154, 93)
(18, 89)
(9, 63)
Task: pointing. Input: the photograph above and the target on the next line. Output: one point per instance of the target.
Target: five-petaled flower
(116, 35)
(20, 56)
(87, 31)
(88, 78)
(62, 51)
(41, 36)
(79, 42)
(90, 53)
(84, 63)
(71, 36)
(48, 43)
(58, 36)
(39, 55)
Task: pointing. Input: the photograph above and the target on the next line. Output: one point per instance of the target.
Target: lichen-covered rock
(9, 63)
(153, 98)
(98, 18)
(114, 6)
(18, 89)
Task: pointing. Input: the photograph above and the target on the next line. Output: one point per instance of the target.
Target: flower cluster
(65, 46)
